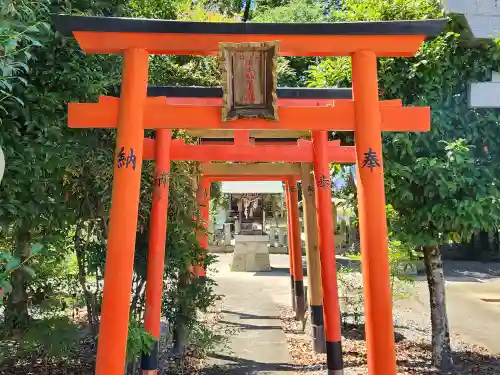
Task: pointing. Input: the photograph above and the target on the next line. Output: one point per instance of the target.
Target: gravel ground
(412, 348)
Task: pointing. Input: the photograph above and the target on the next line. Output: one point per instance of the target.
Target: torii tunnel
(362, 113)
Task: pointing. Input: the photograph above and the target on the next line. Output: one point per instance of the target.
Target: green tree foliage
(19, 35)
(224, 7)
(298, 11)
(291, 70)
(271, 3)
(442, 183)
(37, 144)
(57, 186)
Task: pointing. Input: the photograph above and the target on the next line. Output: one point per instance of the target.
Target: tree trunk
(246, 13)
(135, 307)
(90, 301)
(180, 334)
(441, 347)
(16, 312)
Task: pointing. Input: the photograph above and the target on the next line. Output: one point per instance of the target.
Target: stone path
(257, 344)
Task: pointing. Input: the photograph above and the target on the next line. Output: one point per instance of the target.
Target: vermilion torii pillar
(313, 259)
(119, 268)
(156, 252)
(366, 115)
(295, 247)
(326, 242)
(372, 215)
(291, 247)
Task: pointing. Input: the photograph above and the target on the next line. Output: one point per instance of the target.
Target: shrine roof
(113, 35)
(67, 24)
(283, 92)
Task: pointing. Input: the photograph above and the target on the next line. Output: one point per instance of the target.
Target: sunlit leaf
(12, 264)
(36, 248)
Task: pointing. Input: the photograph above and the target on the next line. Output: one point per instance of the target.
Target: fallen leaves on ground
(81, 363)
(413, 357)
(82, 360)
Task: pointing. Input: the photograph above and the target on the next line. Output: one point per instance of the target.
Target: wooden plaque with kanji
(249, 80)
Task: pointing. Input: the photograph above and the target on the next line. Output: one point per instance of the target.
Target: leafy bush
(138, 341)
(401, 259)
(47, 338)
(10, 263)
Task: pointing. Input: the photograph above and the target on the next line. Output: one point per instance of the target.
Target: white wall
(483, 16)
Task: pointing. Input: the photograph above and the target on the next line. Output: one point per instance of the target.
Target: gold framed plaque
(249, 80)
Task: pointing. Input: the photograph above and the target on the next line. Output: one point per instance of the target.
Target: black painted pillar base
(202, 279)
(318, 339)
(334, 361)
(335, 372)
(294, 300)
(300, 300)
(149, 362)
(318, 329)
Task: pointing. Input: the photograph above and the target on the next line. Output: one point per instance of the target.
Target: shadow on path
(250, 326)
(240, 366)
(470, 271)
(250, 316)
(275, 271)
(285, 271)
(357, 332)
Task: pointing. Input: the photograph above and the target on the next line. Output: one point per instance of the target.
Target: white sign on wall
(485, 94)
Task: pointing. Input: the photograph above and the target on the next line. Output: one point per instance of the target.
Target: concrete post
(227, 234)
(281, 236)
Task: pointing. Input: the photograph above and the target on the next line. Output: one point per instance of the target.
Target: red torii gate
(233, 150)
(332, 151)
(133, 112)
(219, 172)
(238, 149)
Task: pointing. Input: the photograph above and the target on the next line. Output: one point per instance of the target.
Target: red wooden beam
(229, 141)
(242, 138)
(301, 152)
(247, 178)
(159, 114)
(217, 102)
(208, 44)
